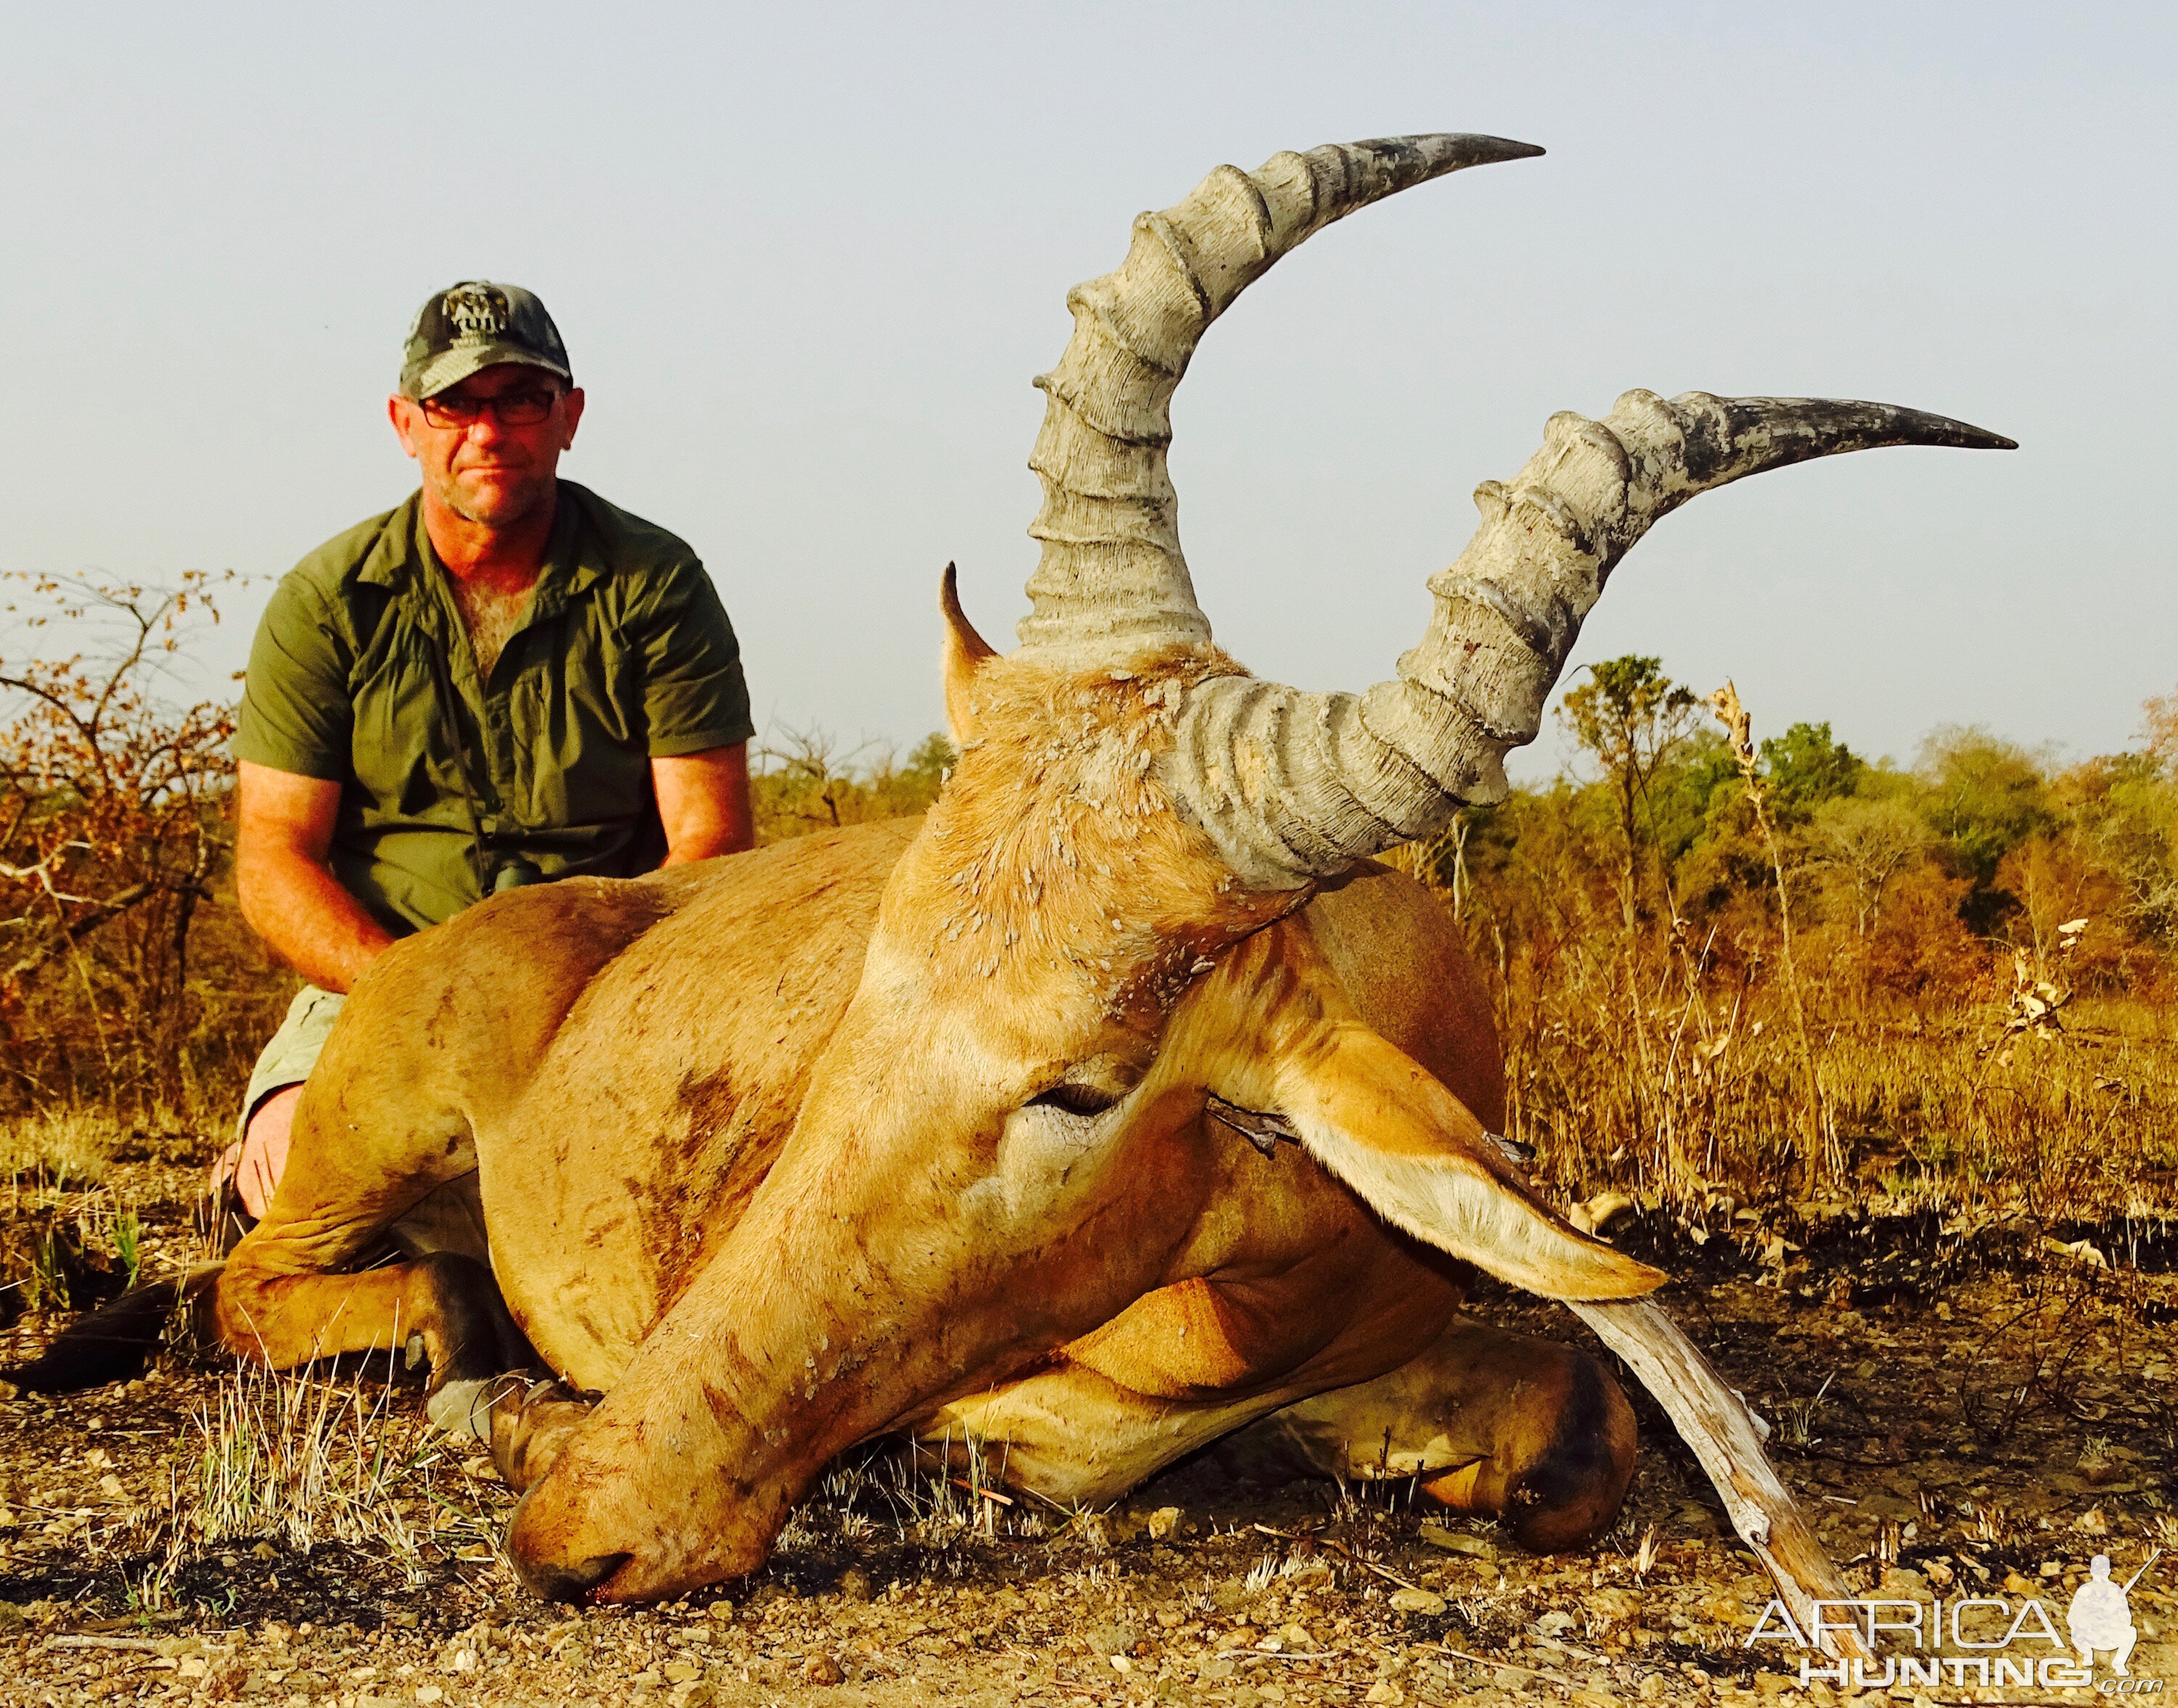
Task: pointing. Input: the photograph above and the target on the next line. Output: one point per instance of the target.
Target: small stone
(428, 1694)
(681, 1671)
(1616, 1605)
(823, 1669)
(191, 1667)
(1416, 1601)
(1113, 1640)
(856, 1586)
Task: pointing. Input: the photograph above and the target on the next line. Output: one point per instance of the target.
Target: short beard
(512, 506)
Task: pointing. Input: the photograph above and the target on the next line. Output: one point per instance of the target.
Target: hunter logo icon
(2100, 1616)
(476, 311)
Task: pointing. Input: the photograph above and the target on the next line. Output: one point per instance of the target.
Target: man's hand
(283, 831)
(703, 802)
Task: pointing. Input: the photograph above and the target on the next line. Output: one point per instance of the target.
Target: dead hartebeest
(972, 1127)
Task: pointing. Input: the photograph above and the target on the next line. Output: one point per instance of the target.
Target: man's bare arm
(704, 800)
(283, 831)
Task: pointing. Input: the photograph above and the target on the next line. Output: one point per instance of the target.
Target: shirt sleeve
(296, 714)
(694, 695)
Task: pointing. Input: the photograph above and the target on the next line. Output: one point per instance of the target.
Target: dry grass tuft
(289, 1456)
(280, 1463)
(57, 1149)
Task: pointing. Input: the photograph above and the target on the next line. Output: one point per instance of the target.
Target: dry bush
(113, 836)
(1983, 977)
(800, 784)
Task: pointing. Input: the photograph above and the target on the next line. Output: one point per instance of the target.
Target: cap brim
(452, 367)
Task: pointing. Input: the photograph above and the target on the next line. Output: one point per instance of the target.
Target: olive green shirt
(361, 674)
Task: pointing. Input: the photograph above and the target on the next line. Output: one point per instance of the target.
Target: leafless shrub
(112, 794)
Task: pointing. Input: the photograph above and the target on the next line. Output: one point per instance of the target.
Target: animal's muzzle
(555, 1579)
(562, 1580)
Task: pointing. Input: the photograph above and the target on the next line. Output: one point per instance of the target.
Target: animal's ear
(965, 653)
(1273, 1029)
(1387, 1127)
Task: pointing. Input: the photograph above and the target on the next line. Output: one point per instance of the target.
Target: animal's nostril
(567, 1580)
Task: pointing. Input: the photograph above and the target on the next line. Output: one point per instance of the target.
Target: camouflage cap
(477, 325)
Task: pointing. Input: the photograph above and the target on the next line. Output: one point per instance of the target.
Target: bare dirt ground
(1968, 1410)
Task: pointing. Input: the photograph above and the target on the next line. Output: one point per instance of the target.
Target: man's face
(490, 472)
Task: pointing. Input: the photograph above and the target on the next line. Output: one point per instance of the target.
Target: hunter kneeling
(504, 681)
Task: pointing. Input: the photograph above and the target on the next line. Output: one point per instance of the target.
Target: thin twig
(1542, 1673)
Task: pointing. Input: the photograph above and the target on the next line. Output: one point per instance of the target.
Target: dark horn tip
(1918, 427)
(1961, 435)
(1484, 151)
(1839, 423)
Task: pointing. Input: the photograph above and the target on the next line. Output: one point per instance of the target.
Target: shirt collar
(572, 561)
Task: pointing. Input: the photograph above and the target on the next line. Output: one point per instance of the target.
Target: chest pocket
(399, 742)
(575, 712)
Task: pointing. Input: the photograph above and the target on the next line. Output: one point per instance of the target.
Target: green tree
(926, 766)
(1986, 797)
(1632, 718)
(1805, 767)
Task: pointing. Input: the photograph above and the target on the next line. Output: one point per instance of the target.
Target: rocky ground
(1966, 1410)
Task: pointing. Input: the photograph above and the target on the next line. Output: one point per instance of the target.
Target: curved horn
(1294, 786)
(1111, 580)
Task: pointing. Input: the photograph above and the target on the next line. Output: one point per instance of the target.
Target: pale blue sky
(807, 259)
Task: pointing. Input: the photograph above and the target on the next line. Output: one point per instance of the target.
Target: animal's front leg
(1530, 1432)
(268, 1309)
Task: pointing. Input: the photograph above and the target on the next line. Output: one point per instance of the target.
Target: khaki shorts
(295, 1050)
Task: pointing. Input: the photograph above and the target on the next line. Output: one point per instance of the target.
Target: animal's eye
(1076, 1099)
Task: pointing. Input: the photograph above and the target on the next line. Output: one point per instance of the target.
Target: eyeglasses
(528, 408)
